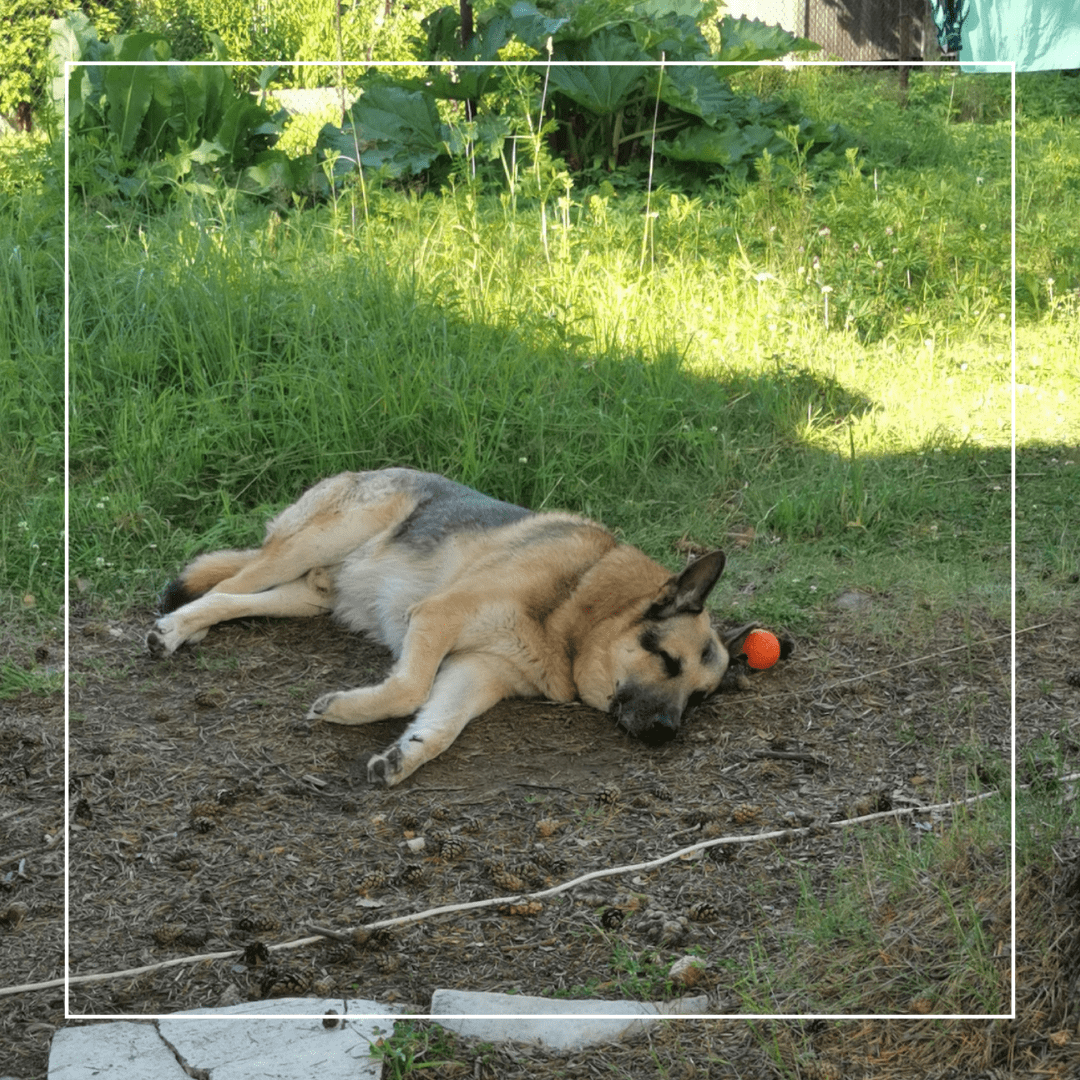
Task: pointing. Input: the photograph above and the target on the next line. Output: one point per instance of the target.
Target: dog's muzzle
(647, 717)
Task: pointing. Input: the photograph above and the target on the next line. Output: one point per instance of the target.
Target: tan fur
(208, 570)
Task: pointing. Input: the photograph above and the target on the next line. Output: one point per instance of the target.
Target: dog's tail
(201, 575)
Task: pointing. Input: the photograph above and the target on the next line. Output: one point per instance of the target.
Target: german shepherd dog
(478, 600)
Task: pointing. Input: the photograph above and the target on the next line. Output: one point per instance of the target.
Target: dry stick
(320, 934)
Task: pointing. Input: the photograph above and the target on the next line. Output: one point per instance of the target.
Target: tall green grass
(820, 362)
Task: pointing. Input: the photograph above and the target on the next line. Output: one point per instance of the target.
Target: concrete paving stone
(557, 1024)
(227, 1047)
(281, 1049)
(116, 1050)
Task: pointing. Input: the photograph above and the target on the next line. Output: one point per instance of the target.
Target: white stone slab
(234, 1048)
(558, 1024)
(116, 1050)
(228, 1045)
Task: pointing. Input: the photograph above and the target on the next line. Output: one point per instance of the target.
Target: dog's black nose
(657, 733)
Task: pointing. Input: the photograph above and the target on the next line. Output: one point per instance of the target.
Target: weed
(415, 1046)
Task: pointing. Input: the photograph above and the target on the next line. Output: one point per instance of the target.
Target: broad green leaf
(129, 90)
(443, 30)
(751, 39)
(187, 102)
(220, 95)
(73, 38)
(267, 74)
(697, 90)
(530, 25)
(461, 84)
(690, 9)
(242, 120)
(387, 113)
(605, 87)
(589, 17)
(158, 130)
(221, 50)
(724, 145)
(671, 27)
(469, 83)
(140, 47)
(208, 152)
(671, 40)
(388, 126)
(273, 169)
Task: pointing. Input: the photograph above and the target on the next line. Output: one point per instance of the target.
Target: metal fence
(852, 29)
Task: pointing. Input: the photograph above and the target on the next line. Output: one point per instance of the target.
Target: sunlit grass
(821, 363)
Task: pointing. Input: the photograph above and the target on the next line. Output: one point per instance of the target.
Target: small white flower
(523, 461)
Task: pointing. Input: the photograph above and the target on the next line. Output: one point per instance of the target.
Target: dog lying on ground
(477, 599)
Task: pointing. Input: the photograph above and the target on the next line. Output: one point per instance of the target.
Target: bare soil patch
(208, 815)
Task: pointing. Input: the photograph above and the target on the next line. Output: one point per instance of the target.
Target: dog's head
(664, 660)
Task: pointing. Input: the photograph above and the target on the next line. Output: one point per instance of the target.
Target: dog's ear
(685, 594)
(733, 639)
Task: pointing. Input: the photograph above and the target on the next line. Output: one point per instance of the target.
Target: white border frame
(1009, 66)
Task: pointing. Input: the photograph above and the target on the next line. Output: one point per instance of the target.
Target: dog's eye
(672, 664)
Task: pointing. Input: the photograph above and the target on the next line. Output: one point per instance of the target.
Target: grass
(549, 379)
(917, 912)
(812, 371)
(856, 431)
(821, 364)
(413, 1047)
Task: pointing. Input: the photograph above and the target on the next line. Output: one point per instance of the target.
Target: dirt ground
(208, 816)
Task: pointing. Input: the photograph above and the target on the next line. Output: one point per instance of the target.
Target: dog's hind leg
(307, 596)
(467, 685)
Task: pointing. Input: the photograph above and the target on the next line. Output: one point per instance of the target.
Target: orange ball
(762, 649)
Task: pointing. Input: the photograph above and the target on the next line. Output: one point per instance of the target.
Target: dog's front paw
(385, 768)
(321, 706)
(164, 639)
